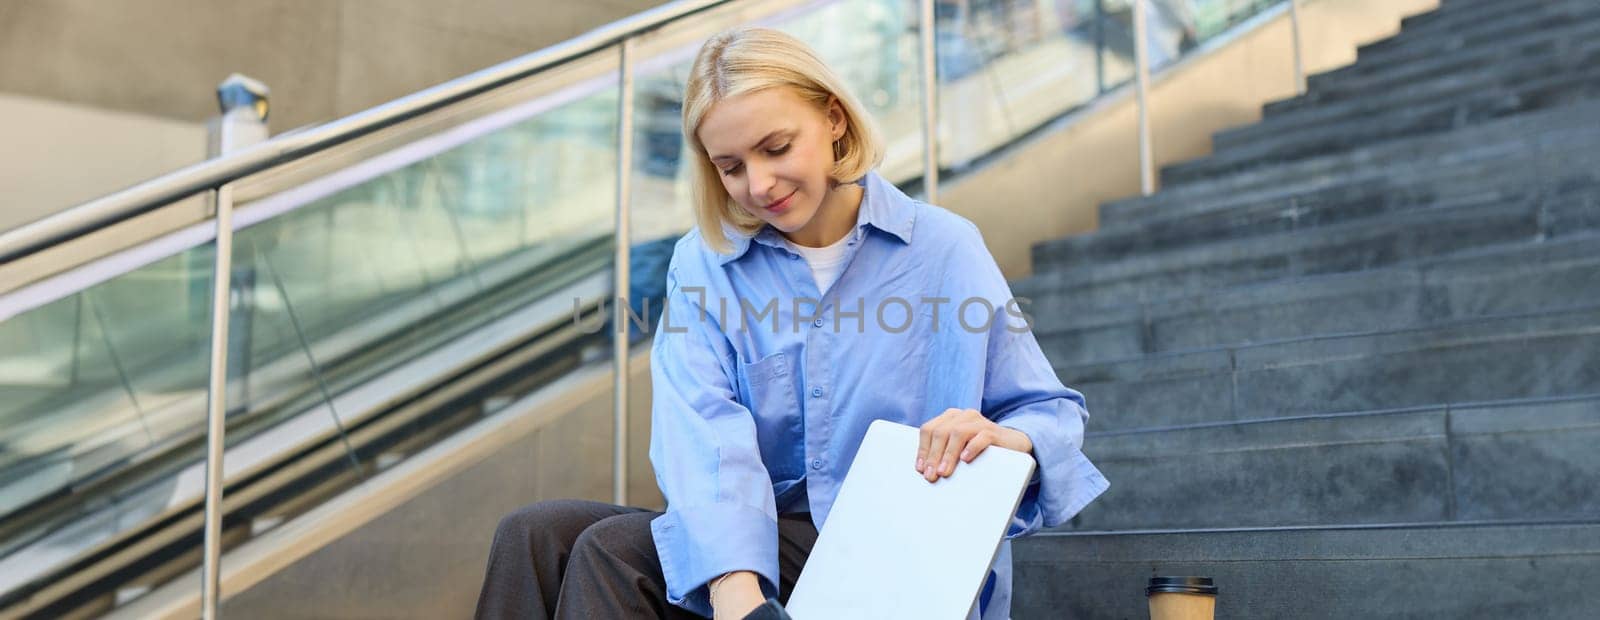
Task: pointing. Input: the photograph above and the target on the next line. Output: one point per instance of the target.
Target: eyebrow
(760, 142)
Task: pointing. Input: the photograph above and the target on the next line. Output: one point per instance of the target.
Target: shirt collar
(883, 206)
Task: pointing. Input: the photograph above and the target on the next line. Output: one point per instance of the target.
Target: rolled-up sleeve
(1021, 391)
(720, 513)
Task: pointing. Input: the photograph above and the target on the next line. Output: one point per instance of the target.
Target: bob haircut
(749, 59)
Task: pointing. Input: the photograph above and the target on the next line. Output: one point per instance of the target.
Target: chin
(787, 222)
(795, 222)
(785, 228)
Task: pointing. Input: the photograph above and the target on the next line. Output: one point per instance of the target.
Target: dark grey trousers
(580, 559)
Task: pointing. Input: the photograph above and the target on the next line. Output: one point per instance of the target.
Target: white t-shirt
(826, 263)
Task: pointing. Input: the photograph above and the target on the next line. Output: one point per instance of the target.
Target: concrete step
(1517, 279)
(1569, 58)
(1499, 570)
(1316, 173)
(1366, 80)
(1350, 198)
(1451, 17)
(1361, 81)
(1451, 33)
(1540, 93)
(1501, 357)
(1532, 459)
(1516, 164)
(1343, 247)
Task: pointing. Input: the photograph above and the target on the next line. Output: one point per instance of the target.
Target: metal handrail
(1141, 78)
(147, 196)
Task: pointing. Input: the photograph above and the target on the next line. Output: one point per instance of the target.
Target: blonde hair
(749, 59)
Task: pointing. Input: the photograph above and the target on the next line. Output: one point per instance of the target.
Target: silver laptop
(897, 546)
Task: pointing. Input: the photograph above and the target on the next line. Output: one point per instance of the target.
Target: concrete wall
(1051, 186)
(61, 154)
(322, 59)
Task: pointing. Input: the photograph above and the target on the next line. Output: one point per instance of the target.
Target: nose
(762, 183)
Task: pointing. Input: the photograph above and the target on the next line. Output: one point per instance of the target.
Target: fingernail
(919, 464)
(944, 468)
(966, 456)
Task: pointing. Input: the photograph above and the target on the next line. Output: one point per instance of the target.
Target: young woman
(812, 298)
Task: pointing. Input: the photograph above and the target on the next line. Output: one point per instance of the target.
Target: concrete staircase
(1349, 364)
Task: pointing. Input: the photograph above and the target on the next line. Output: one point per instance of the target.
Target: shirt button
(817, 392)
(794, 257)
(817, 322)
(816, 463)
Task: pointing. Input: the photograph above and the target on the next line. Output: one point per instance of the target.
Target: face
(773, 152)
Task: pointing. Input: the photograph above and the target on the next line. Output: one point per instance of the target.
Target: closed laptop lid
(897, 546)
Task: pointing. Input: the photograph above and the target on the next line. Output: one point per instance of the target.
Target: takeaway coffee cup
(1182, 598)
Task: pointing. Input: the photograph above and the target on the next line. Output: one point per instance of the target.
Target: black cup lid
(1185, 585)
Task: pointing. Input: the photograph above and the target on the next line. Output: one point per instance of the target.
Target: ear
(837, 120)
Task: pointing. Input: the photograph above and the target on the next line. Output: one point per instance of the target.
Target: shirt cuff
(700, 543)
(1067, 480)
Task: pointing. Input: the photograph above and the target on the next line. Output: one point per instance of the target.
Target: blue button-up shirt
(763, 386)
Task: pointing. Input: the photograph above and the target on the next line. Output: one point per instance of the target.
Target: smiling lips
(781, 204)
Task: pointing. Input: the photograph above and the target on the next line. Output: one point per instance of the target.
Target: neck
(834, 218)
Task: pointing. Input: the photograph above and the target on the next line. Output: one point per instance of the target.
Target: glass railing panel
(98, 381)
(1113, 30)
(1011, 65)
(1177, 27)
(54, 351)
(1170, 28)
(97, 386)
(156, 326)
(1213, 17)
(439, 233)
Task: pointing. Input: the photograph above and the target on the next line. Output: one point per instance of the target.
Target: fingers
(939, 437)
(924, 440)
(975, 446)
(950, 437)
(952, 449)
(931, 444)
(956, 434)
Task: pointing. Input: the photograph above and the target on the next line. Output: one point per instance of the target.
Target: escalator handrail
(88, 217)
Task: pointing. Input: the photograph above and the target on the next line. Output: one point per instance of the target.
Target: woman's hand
(737, 596)
(963, 434)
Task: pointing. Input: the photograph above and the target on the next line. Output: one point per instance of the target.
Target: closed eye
(734, 169)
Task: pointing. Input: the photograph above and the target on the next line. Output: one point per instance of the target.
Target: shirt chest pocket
(767, 389)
